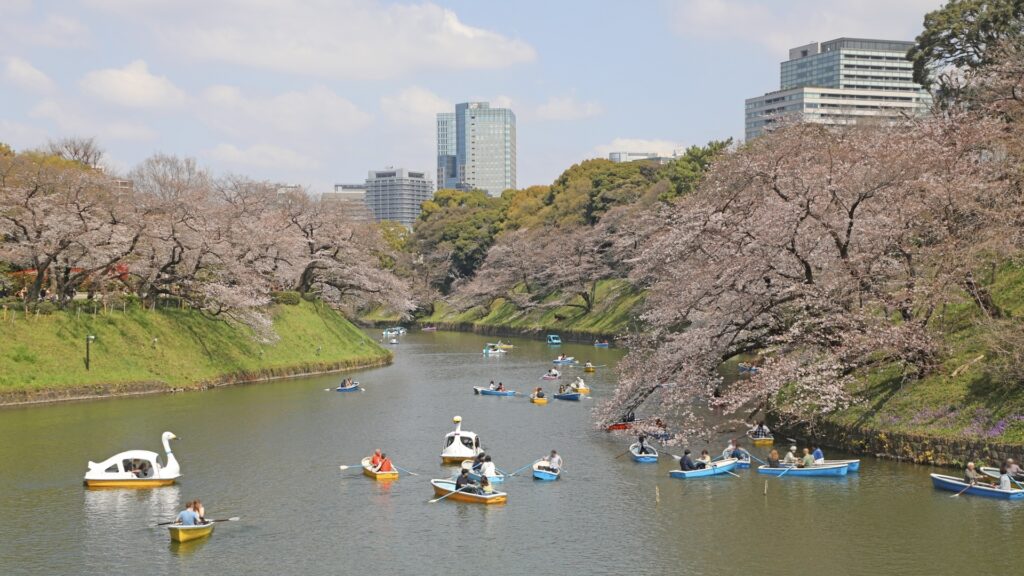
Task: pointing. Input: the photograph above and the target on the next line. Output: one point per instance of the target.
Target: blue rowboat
(566, 360)
(853, 465)
(488, 392)
(743, 464)
(353, 388)
(569, 396)
(554, 340)
(649, 457)
(719, 468)
(541, 471)
(475, 476)
(600, 344)
(953, 484)
(817, 470)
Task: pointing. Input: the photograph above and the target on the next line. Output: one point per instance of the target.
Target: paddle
(350, 466)
(521, 469)
(232, 519)
(446, 495)
(406, 471)
(755, 458)
(962, 491)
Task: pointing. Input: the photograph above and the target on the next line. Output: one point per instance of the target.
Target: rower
(188, 516)
(555, 461)
(642, 441)
(727, 453)
(687, 464)
(538, 393)
(487, 468)
(375, 459)
(491, 386)
(463, 483)
(1013, 469)
(818, 455)
(385, 464)
(739, 453)
(478, 461)
(588, 364)
(971, 476)
(807, 461)
(501, 387)
(561, 388)
(791, 459)
(760, 431)
(773, 459)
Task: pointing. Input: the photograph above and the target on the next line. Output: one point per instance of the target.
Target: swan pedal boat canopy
(954, 484)
(816, 470)
(488, 392)
(539, 401)
(116, 471)
(542, 471)
(368, 471)
(459, 445)
(444, 486)
(475, 476)
(648, 458)
(719, 468)
(181, 533)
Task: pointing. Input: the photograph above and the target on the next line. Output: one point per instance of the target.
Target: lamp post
(88, 340)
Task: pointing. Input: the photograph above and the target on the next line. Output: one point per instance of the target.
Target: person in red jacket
(385, 464)
(375, 460)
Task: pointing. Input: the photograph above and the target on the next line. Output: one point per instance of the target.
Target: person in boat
(488, 468)
(643, 448)
(501, 387)
(561, 388)
(485, 486)
(1014, 470)
(579, 383)
(538, 393)
(818, 455)
(760, 431)
(188, 516)
(1004, 478)
(554, 373)
(200, 510)
(705, 457)
(739, 452)
(478, 462)
(464, 484)
(687, 464)
(727, 453)
(773, 459)
(971, 476)
(375, 459)
(587, 364)
(385, 464)
(807, 461)
(555, 461)
(791, 459)
(491, 386)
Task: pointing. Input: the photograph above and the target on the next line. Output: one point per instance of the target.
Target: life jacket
(385, 466)
(375, 461)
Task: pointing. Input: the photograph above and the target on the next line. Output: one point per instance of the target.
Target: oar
(406, 471)
(232, 519)
(962, 491)
(346, 467)
(521, 469)
(756, 458)
(446, 495)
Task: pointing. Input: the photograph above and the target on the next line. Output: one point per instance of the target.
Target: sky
(318, 92)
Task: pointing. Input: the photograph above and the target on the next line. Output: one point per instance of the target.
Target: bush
(289, 298)
(44, 307)
(310, 297)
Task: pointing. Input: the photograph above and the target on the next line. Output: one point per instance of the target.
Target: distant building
(350, 200)
(631, 156)
(397, 194)
(841, 81)
(476, 148)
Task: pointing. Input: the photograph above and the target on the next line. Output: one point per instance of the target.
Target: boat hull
(852, 465)
(130, 483)
(647, 458)
(545, 474)
(720, 468)
(574, 396)
(189, 533)
(953, 484)
(590, 369)
(475, 476)
(548, 377)
(582, 389)
(601, 345)
(824, 470)
(352, 388)
(767, 441)
(444, 487)
(488, 392)
(368, 471)
(540, 401)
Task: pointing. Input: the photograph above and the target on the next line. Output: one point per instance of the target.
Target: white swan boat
(135, 469)
(459, 445)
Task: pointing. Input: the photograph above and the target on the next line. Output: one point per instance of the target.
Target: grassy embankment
(43, 357)
(614, 312)
(960, 399)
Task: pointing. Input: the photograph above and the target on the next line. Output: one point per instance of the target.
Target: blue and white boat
(488, 392)
(599, 344)
(720, 468)
(543, 471)
(816, 470)
(566, 360)
(353, 388)
(575, 396)
(648, 457)
(954, 484)
(743, 463)
(475, 476)
(554, 340)
(493, 351)
(853, 465)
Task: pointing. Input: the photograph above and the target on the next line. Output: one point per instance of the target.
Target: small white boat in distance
(459, 445)
(135, 469)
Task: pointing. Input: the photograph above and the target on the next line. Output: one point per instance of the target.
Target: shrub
(289, 298)
(44, 307)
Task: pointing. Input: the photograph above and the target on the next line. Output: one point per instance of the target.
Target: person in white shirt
(791, 458)
(727, 453)
(487, 469)
(555, 461)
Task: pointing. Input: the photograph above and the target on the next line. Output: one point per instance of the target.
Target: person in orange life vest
(375, 460)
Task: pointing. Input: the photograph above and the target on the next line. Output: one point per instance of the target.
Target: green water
(270, 454)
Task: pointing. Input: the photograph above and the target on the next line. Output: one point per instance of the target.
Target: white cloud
(659, 147)
(26, 76)
(414, 106)
(568, 108)
(312, 113)
(261, 157)
(132, 86)
(328, 38)
(72, 121)
(779, 26)
(21, 136)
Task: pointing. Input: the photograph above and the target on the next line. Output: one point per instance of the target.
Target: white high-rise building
(476, 148)
(841, 81)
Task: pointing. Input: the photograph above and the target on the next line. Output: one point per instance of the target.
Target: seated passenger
(375, 459)
(200, 511)
(705, 457)
(485, 486)
(971, 476)
(188, 516)
(807, 460)
(642, 448)
(488, 468)
(773, 459)
(727, 453)
(491, 386)
(739, 453)
(501, 387)
(791, 459)
(687, 464)
(385, 464)
(760, 431)
(478, 461)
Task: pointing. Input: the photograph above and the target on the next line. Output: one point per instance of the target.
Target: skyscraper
(394, 194)
(476, 148)
(841, 81)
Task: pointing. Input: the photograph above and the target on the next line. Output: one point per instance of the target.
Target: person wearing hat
(791, 459)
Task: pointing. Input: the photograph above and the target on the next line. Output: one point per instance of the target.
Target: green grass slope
(170, 348)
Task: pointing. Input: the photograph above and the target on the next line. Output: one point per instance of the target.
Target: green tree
(962, 35)
(462, 224)
(685, 172)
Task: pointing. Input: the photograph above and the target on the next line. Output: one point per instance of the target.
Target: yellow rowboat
(443, 487)
(368, 471)
(540, 401)
(767, 441)
(581, 389)
(589, 369)
(181, 533)
(129, 483)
